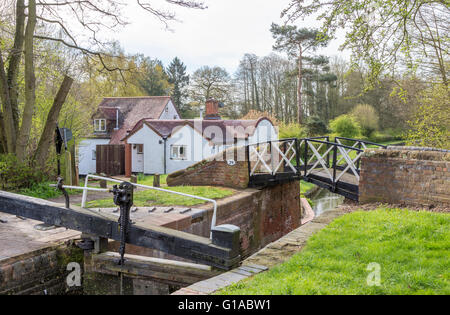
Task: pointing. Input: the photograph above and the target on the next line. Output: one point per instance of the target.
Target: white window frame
(139, 148)
(98, 125)
(181, 152)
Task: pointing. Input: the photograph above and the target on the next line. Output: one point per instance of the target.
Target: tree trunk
(8, 132)
(3, 148)
(30, 84)
(299, 91)
(46, 140)
(14, 59)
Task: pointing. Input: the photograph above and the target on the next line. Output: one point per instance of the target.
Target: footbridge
(331, 165)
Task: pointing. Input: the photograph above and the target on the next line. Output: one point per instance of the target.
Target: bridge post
(334, 166)
(328, 155)
(358, 163)
(306, 157)
(297, 155)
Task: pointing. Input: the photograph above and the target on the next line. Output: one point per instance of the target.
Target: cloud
(220, 35)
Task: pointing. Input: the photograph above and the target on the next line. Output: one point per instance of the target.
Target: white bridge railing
(310, 156)
(273, 157)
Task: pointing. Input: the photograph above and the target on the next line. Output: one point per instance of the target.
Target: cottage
(156, 140)
(166, 146)
(114, 117)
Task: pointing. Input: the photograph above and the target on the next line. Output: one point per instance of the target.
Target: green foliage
(387, 136)
(367, 118)
(15, 175)
(316, 126)
(44, 191)
(345, 126)
(306, 187)
(291, 130)
(411, 248)
(431, 125)
(154, 79)
(289, 37)
(384, 33)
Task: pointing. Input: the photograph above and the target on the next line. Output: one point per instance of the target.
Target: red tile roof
(132, 109)
(242, 129)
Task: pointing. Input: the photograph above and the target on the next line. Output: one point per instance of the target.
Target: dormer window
(99, 125)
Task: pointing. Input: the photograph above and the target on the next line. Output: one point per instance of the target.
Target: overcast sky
(219, 35)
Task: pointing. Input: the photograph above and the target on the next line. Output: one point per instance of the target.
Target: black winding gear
(123, 197)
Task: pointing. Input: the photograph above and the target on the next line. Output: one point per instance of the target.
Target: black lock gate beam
(199, 249)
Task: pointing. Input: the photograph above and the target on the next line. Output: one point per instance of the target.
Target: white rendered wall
(153, 151)
(86, 165)
(169, 112)
(195, 147)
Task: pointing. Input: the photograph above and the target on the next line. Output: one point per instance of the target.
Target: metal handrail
(362, 141)
(86, 189)
(335, 143)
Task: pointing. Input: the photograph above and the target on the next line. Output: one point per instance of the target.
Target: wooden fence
(111, 159)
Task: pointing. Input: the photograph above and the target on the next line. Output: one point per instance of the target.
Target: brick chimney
(212, 110)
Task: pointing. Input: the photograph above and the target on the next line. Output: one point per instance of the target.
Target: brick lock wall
(40, 272)
(405, 176)
(215, 171)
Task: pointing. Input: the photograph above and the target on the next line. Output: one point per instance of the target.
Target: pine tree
(295, 42)
(179, 79)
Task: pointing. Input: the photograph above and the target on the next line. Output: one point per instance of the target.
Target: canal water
(325, 200)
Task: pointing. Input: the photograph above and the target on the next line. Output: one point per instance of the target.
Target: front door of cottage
(139, 167)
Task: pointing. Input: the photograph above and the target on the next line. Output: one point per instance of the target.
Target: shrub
(367, 118)
(16, 175)
(41, 190)
(430, 127)
(345, 126)
(316, 126)
(291, 130)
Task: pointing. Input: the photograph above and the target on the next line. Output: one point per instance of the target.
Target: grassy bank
(411, 248)
(149, 198)
(305, 187)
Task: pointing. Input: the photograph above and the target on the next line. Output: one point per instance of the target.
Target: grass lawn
(149, 198)
(148, 180)
(412, 249)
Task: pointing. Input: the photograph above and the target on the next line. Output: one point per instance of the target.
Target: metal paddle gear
(123, 197)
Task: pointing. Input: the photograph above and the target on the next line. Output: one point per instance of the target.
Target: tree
(296, 41)
(179, 79)
(431, 124)
(37, 21)
(207, 83)
(154, 79)
(385, 34)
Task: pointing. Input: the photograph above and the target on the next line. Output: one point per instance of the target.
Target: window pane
(174, 152)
